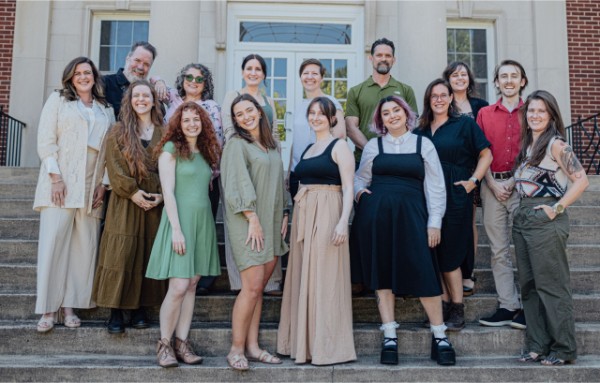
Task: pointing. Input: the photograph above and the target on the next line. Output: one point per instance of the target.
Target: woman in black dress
(462, 147)
(401, 199)
(462, 81)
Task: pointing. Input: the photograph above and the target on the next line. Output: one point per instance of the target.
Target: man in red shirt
(500, 124)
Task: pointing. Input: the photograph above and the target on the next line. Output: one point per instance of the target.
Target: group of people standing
(412, 182)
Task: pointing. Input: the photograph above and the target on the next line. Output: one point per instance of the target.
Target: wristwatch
(475, 180)
(558, 208)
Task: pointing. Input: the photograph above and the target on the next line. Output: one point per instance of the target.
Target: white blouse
(434, 184)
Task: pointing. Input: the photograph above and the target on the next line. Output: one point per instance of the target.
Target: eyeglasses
(191, 78)
(442, 97)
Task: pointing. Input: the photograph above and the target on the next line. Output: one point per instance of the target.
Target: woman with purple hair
(401, 199)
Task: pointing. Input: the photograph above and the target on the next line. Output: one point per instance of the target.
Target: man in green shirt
(363, 98)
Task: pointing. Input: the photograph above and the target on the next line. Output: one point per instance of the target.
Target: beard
(131, 76)
(383, 68)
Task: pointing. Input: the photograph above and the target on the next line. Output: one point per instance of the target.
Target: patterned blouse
(545, 180)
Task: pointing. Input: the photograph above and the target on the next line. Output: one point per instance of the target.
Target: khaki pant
(67, 250)
(544, 275)
(497, 219)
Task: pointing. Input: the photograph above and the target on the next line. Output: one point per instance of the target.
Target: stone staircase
(91, 354)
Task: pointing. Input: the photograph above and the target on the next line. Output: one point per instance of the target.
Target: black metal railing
(11, 133)
(584, 137)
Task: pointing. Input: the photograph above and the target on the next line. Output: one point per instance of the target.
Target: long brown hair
(68, 89)
(555, 128)
(126, 133)
(265, 137)
(207, 142)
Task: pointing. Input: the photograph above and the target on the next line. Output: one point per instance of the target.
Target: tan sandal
(265, 357)
(71, 321)
(46, 323)
(238, 362)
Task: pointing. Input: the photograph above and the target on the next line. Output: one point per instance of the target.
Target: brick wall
(7, 28)
(583, 28)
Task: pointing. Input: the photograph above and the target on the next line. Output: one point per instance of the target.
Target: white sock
(389, 330)
(440, 333)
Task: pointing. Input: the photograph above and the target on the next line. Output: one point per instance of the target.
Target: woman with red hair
(186, 243)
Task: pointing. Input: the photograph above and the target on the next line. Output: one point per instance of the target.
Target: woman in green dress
(186, 242)
(252, 176)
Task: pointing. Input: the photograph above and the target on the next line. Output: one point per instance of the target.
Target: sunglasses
(191, 78)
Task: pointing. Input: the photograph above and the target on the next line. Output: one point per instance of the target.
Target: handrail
(11, 133)
(584, 137)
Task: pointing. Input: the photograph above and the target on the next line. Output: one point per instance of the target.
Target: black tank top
(319, 170)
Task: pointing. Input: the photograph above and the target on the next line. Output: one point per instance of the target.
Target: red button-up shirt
(503, 131)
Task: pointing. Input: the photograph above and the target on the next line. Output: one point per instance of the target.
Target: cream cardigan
(63, 134)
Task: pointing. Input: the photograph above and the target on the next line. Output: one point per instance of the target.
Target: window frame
(490, 39)
(96, 28)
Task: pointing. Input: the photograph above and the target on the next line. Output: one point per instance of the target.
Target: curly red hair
(207, 142)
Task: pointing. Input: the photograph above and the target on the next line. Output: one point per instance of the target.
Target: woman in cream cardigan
(69, 193)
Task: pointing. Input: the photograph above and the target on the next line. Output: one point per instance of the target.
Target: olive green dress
(197, 224)
(128, 235)
(253, 181)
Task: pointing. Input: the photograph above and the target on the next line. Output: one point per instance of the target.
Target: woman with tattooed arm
(544, 166)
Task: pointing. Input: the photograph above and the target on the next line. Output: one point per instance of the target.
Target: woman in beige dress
(316, 312)
(252, 176)
(69, 192)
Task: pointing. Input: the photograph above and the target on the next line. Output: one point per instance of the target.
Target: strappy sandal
(71, 321)
(46, 323)
(389, 351)
(552, 360)
(265, 357)
(528, 358)
(238, 362)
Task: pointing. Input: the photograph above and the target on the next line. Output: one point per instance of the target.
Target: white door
(284, 87)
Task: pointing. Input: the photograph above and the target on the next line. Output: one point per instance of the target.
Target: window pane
(341, 89)
(280, 106)
(463, 40)
(107, 35)
(327, 64)
(480, 66)
(121, 55)
(451, 38)
(124, 32)
(295, 33)
(279, 89)
(481, 89)
(326, 87)
(105, 62)
(280, 67)
(341, 68)
(140, 31)
(479, 41)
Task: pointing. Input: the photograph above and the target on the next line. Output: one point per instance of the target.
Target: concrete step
(213, 339)
(17, 208)
(23, 189)
(11, 172)
(19, 251)
(28, 228)
(22, 278)
(89, 367)
(217, 307)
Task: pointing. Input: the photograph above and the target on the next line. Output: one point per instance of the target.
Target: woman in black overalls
(401, 198)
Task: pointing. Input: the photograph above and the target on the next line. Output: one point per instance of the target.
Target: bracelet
(57, 182)
(286, 214)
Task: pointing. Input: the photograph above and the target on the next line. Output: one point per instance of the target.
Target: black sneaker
(519, 321)
(502, 317)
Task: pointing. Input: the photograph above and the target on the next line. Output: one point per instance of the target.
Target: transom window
(295, 33)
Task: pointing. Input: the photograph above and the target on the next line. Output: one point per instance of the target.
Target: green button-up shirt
(364, 97)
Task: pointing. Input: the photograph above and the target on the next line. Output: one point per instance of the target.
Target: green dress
(197, 224)
(253, 181)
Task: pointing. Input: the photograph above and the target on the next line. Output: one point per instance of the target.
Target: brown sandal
(238, 362)
(265, 357)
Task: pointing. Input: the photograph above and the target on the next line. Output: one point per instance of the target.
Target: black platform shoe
(389, 351)
(138, 319)
(442, 354)
(115, 323)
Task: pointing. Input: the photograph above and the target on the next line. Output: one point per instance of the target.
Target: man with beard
(363, 98)
(137, 65)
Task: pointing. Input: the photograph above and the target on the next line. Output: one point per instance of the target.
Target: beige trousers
(67, 250)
